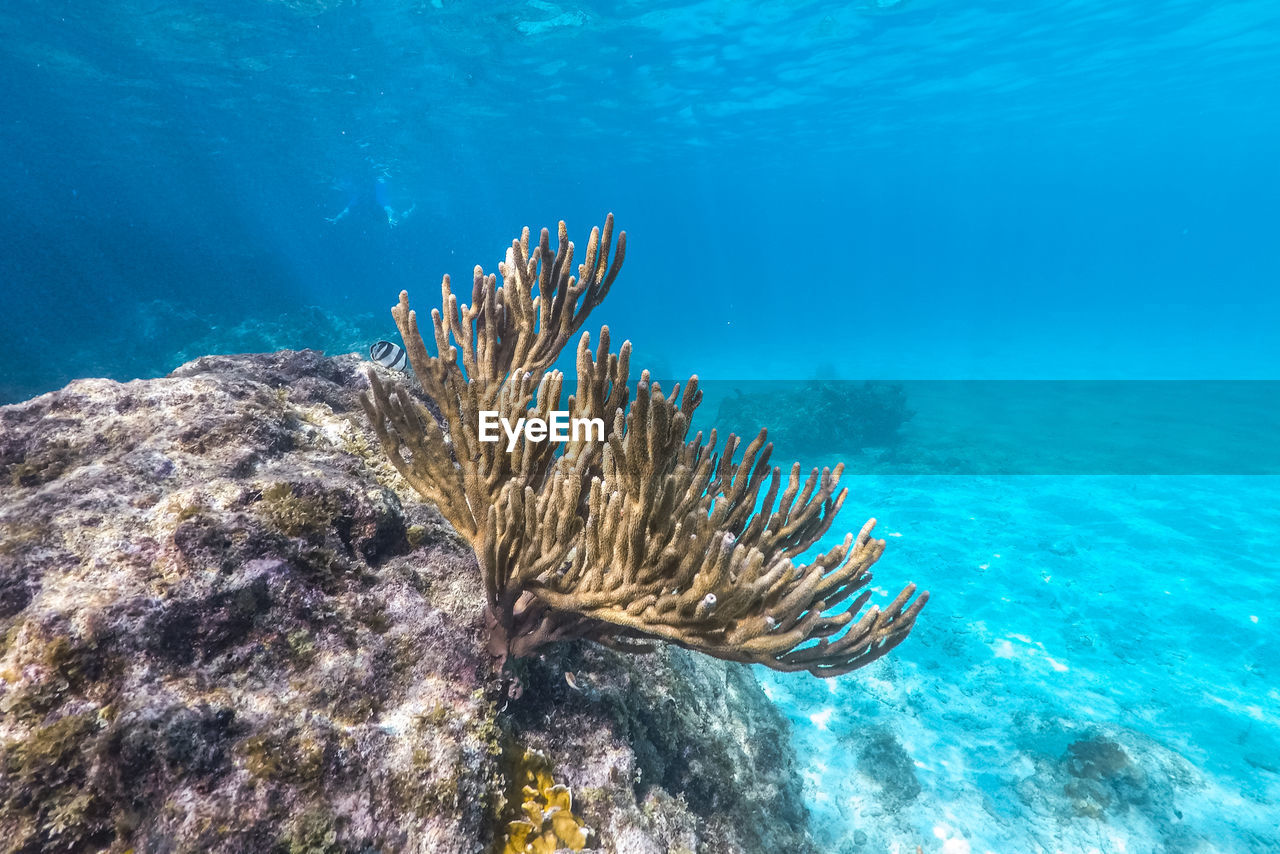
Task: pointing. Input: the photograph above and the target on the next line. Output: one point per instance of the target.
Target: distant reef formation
(224, 631)
(817, 417)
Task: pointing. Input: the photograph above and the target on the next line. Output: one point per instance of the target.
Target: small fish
(389, 355)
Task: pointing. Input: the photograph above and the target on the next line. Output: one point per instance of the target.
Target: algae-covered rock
(222, 630)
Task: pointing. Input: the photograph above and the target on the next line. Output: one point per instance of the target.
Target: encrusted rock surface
(228, 627)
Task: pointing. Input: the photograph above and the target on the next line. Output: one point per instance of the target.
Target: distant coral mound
(820, 416)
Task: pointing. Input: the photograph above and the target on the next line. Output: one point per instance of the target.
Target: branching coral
(646, 535)
(547, 823)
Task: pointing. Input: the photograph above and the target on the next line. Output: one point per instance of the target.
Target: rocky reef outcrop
(227, 626)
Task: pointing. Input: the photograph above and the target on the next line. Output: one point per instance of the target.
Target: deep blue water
(895, 190)
(1080, 189)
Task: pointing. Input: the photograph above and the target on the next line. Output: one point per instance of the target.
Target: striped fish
(389, 355)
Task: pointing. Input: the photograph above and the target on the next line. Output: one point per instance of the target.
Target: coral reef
(148, 339)
(688, 789)
(887, 768)
(820, 416)
(643, 534)
(1103, 779)
(221, 630)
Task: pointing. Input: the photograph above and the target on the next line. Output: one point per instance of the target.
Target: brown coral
(646, 535)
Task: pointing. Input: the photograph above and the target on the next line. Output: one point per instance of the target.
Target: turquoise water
(1132, 610)
(912, 190)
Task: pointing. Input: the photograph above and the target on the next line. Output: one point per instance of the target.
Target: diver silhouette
(377, 198)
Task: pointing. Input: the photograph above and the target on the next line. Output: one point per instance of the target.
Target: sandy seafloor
(1135, 610)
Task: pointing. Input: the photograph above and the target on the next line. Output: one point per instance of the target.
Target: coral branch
(643, 535)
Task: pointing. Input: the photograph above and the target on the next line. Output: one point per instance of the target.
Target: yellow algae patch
(547, 823)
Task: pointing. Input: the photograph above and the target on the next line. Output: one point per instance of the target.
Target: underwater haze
(919, 188)
(919, 191)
